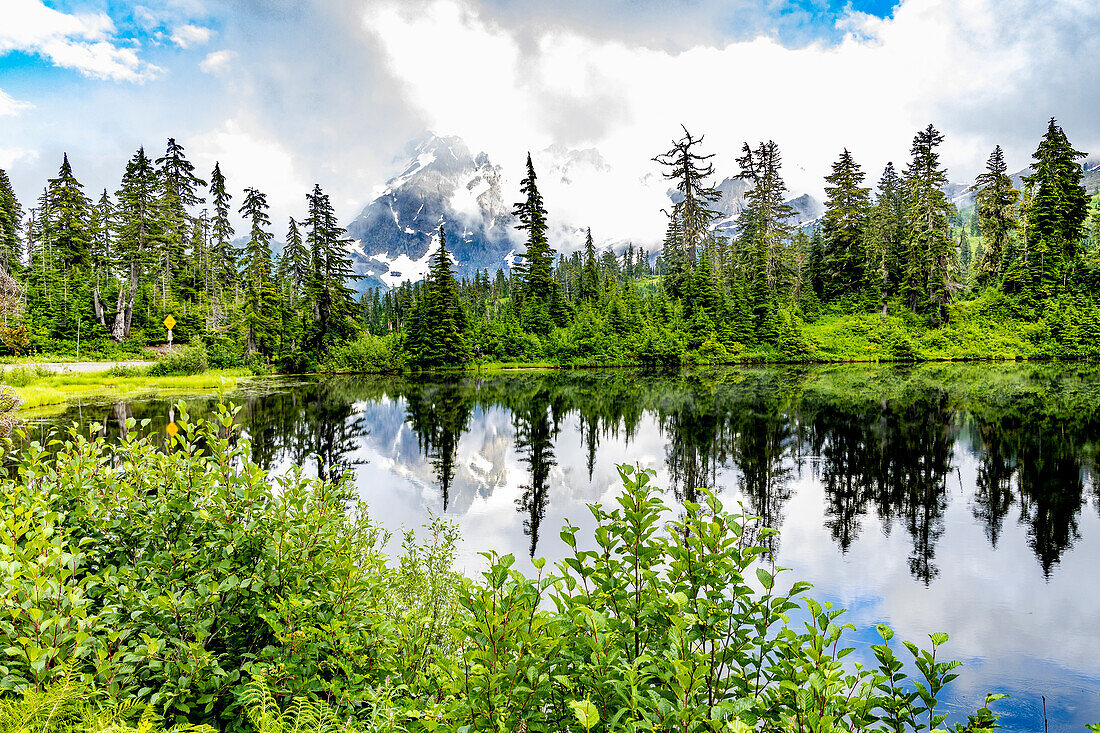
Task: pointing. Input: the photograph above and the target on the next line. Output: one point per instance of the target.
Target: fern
(56, 708)
(300, 716)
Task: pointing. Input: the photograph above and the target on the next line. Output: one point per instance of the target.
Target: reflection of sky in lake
(1017, 630)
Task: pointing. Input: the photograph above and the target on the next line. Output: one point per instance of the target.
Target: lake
(938, 497)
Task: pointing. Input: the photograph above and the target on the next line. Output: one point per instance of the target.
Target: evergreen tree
(256, 273)
(11, 219)
(224, 255)
(691, 220)
(326, 286)
(103, 224)
(928, 258)
(179, 186)
(764, 226)
(140, 229)
(445, 319)
(295, 257)
(1057, 212)
(536, 271)
(590, 279)
(995, 204)
(846, 212)
(67, 225)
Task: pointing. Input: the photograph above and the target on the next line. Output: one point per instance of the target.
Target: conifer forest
(893, 270)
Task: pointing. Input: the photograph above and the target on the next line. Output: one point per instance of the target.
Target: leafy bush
(181, 363)
(22, 376)
(189, 584)
(366, 355)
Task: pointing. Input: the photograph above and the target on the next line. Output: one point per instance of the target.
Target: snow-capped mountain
(442, 183)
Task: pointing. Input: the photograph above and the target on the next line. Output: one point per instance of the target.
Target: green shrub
(23, 375)
(366, 355)
(181, 363)
(190, 582)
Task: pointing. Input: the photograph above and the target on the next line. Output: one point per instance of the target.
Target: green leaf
(586, 713)
(766, 578)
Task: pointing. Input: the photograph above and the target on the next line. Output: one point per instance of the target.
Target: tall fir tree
(846, 211)
(11, 220)
(1057, 212)
(67, 222)
(764, 223)
(536, 271)
(590, 277)
(692, 217)
(929, 254)
(995, 203)
(140, 231)
(179, 191)
(326, 286)
(256, 273)
(224, 255)
(102, 253)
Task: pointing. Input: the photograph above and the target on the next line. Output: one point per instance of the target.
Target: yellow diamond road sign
(172, 429)
(169, 322)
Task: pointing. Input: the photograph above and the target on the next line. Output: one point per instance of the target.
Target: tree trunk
(97, 305)
(118, 328)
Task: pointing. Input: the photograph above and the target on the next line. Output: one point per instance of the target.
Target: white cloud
(251, 156)
(81, 41)
(9, 156)
(974, 68)
(10, 107)
(216, 61)
(189, 35)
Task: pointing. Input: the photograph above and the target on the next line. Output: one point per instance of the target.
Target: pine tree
(256, 273)
(846, 212)
(764, 226)
(326, 285)
(536, 271)
(691, 220)
(140, 230)
(446, 319)
(178, 188)
(1058, 208)
(995, 203)
(11, 219)
(68, 225)
(928, 258)
(225, 256)
(103, 224)
(295, 258)
(590, 279)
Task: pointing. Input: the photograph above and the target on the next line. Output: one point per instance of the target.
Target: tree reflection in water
(880, 442)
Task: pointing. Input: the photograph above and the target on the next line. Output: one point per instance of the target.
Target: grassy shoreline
(54, 390)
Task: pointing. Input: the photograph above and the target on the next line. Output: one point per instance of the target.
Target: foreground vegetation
(145, 589)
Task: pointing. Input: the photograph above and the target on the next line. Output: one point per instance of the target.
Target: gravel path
(76, 366)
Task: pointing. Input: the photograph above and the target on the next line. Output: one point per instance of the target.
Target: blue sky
(286, 93)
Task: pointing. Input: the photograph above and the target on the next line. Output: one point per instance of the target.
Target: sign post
(168, 323)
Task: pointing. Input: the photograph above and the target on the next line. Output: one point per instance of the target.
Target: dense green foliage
(107, 273)
(188, 588)
(899, 273)
(903, 274)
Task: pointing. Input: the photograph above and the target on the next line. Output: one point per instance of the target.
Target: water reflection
(880, 442)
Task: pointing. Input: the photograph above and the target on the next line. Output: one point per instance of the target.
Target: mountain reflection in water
(956, 497)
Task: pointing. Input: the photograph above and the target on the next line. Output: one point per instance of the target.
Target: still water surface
(958, 498)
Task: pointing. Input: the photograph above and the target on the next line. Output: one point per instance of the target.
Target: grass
(37, 389)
